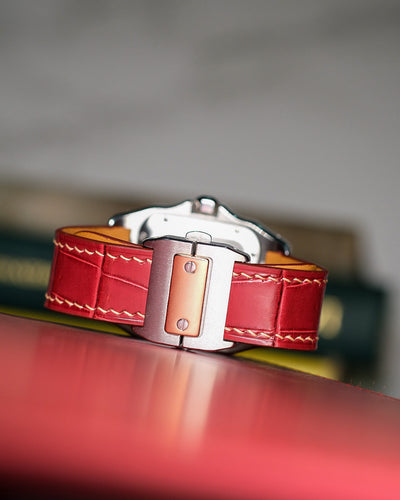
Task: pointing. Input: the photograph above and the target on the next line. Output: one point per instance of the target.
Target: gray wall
(287, 106)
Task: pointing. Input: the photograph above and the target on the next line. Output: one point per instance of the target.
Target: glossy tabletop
(86, 414)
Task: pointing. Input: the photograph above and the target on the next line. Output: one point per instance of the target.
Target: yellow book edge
(311, 363)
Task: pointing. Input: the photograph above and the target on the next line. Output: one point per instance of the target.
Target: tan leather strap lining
(119, 235)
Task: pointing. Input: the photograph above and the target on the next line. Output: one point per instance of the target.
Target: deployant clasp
(188, 294)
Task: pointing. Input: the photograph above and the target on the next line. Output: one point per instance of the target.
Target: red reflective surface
(94, 414)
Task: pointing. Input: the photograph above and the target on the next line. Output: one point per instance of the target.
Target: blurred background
(287, 111)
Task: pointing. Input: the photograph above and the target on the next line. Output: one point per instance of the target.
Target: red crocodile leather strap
(97, 273)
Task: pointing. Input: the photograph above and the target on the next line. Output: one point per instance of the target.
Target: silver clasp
(204, 215)
(180, 267)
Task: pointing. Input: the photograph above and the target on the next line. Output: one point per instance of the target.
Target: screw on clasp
(188, 293)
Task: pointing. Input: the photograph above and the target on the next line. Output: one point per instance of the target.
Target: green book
(25, 262)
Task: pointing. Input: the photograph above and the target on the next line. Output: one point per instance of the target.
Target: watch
(192, 275)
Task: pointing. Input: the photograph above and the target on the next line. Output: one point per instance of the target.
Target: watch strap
(98, 273)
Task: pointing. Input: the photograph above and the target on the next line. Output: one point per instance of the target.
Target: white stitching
(92, 309)
(296, 339)
(270, 278)
(250, 277)
(239, 331)
(90, 252)
(267, 335)
(242, 331)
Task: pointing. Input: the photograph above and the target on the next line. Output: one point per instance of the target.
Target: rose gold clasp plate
(188, 293)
